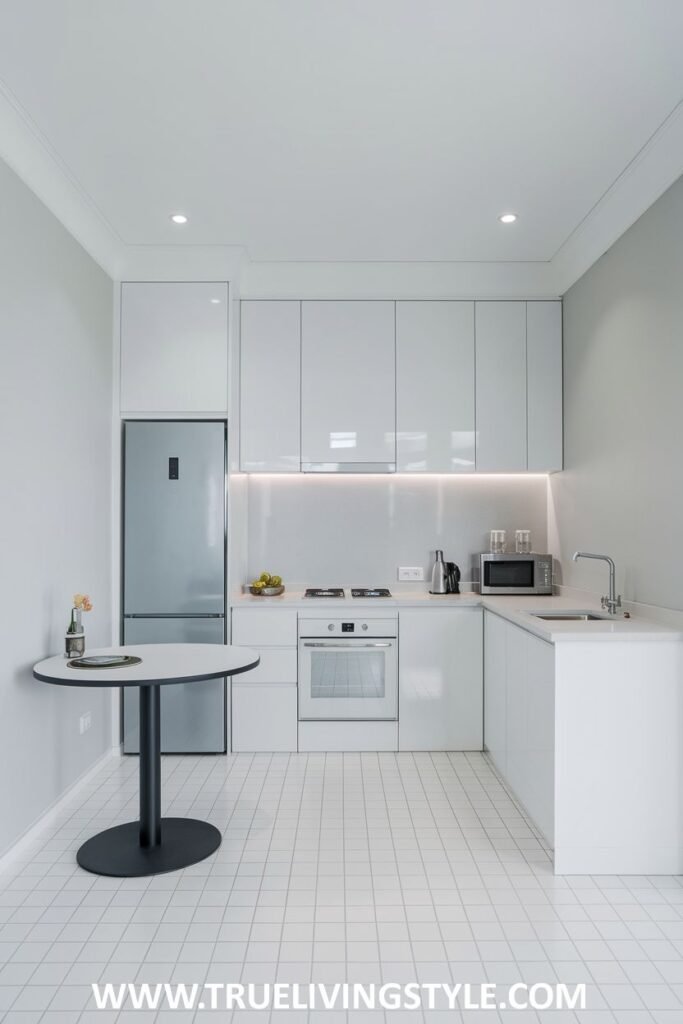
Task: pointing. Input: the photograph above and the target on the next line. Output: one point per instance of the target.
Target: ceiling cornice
(29, 153)
(649, 174)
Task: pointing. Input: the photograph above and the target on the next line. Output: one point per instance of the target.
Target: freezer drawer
(193, 715)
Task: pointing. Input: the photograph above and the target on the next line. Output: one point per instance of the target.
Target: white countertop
(516, 609)
(520, 611)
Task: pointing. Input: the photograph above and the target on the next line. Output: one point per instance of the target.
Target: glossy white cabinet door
(264, 627)
(539, 797)
(519, 716)
(264, 717)
(435, 387)
(440, 679)
(174, 347)
(500, 331)
(270, 373)
(544, 386)
(348, 376)
(515, 706)
(495, 690)
(531, 726)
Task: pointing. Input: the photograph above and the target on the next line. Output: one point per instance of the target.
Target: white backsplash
(356, 530)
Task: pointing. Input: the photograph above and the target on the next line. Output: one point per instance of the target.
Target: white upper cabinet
(361, 386)
(348, 379)
(270, 396)
(544, 386)
(435, 387)
(501, 386)
(174, 348)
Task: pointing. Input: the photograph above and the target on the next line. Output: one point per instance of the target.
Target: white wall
(55, 467)
(622, 491)
(346, 531)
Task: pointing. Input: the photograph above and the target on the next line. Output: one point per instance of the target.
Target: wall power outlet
(411, 572)
(84, 722)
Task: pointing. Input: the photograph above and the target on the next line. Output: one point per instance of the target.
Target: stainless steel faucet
(611, 602)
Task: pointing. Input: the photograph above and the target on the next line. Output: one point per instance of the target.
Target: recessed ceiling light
(216, 302)
(179, 218)
(507, 218)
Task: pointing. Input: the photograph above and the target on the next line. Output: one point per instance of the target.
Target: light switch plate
(411, 572)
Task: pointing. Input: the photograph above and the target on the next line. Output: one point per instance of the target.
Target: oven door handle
(349, 647)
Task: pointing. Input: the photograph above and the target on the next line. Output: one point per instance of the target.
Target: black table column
(150, 766)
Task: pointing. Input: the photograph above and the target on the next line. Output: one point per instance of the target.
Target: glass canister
(523, 542)
(497, 542)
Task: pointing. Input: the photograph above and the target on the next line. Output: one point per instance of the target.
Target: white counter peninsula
(584, 721)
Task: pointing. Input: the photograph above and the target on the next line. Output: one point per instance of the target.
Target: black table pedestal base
(118, 852)
(152, 845)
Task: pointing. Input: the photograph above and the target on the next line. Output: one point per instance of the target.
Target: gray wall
(622, 491)
(55, 467)
(345, 531)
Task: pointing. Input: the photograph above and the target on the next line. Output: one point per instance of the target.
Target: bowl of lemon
(267, 586)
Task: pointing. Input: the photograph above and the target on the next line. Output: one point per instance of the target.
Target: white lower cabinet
(440, 679)
(519, 720)
(495, 690)
(264, 700)
(263, 717)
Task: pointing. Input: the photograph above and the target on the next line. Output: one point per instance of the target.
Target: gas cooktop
(339, 592)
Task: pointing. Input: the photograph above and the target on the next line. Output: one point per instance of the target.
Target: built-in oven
(348, 670)
(514, 574)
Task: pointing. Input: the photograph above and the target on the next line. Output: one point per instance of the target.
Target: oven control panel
(385, 627)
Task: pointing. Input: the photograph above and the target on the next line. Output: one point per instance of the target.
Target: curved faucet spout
(612, 601)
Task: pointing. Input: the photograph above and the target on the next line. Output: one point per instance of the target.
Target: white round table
(153, 844)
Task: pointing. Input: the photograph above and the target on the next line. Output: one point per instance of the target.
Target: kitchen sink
(569, 617)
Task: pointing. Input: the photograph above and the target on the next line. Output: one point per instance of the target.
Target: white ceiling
(347, 130)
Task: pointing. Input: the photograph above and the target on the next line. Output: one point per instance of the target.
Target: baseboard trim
(15, 849)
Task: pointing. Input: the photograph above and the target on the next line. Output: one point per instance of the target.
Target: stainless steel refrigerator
(174, 564)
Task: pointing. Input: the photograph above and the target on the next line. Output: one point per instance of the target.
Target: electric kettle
(445, 576)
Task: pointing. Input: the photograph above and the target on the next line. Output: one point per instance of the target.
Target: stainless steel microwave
(514, 574)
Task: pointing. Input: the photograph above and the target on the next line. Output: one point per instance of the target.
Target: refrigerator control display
(173, 468)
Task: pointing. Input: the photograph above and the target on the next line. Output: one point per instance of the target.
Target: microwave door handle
(342, 645)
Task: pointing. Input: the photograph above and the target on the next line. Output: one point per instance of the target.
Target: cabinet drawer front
(263, 719)
(277, 666)
(256, 627)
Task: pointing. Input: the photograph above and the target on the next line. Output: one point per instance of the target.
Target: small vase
(74, 638)
(74, 645)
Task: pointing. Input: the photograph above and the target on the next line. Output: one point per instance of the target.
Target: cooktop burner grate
(370, 592)
(324, 592)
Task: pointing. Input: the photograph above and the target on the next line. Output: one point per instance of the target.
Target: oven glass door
(516, 573)
(348, 680)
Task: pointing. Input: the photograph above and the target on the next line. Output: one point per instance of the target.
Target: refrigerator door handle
(175, 615)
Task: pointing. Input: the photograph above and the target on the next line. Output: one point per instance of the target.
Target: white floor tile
(369, 868)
